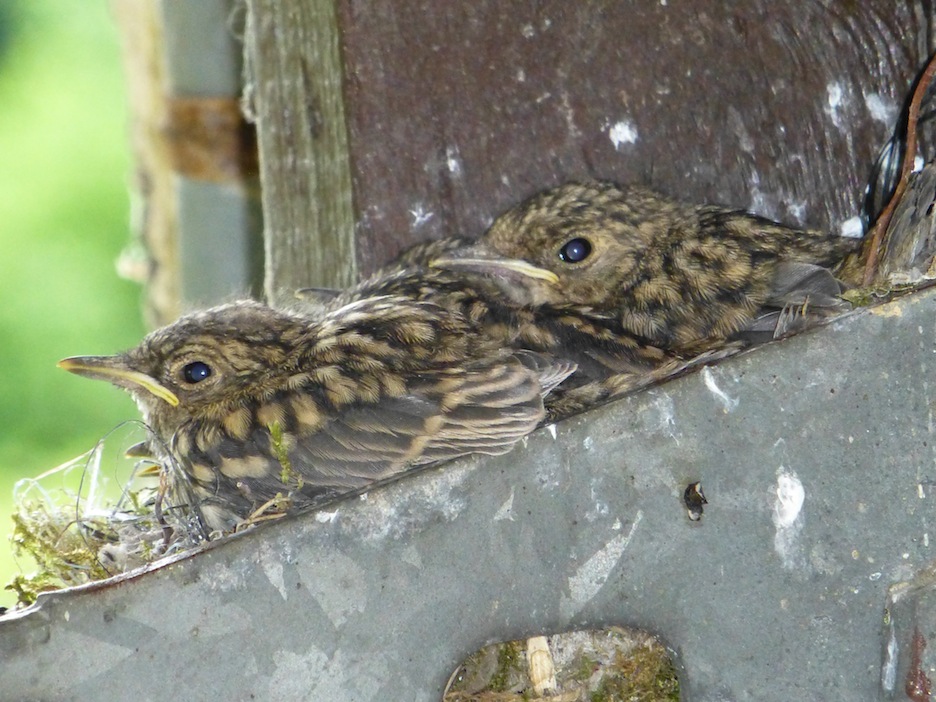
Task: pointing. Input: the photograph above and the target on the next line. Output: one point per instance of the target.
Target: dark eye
(575, 250)
(196, 371)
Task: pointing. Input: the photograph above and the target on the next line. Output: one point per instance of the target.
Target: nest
(69, 522)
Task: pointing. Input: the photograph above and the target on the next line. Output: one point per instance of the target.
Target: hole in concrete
(601, 665)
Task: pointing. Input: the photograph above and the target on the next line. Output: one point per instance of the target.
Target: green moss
(646, 675)
(585, 666)
(77, 536)
(28, 588)
(65, 551)
(873, 295)
(509, 662)
(281, 451)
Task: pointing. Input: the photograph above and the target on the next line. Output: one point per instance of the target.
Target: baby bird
(683, 278)
(254, 403)
(493, 299)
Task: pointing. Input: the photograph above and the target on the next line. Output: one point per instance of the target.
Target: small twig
(167, 530)
(876, 234)
(263, 514)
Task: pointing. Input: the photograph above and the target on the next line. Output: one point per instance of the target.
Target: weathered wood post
(295, 90)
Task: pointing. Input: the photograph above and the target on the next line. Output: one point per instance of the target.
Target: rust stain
(917, 686)
(209, 139)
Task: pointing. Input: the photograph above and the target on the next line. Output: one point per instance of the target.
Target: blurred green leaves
(64, 169)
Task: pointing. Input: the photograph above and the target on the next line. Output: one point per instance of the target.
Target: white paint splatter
(623, 132)
(453, 160)
(834, 99)
(506, 509)
(663, 403)
(591, 576)
(551, 428)
(762, 202)
(599, 508)
(420, 215)
(787, 510)
(728, 403)
(882, 109)
(569, 113)
(739, 129)
(797, 210)
(325, 517)
(790, 497)
(853, 228)
(588, 443)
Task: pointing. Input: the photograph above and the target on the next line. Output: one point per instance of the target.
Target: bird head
(520, 282)
(574, 244)
(199, 365)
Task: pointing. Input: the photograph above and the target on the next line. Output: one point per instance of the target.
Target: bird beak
(479, 260)
(317, 296)
(114, 370)
(140, 449)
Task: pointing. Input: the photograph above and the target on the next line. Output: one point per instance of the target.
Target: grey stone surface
(816, 455)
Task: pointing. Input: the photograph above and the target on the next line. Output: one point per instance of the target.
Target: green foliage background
(64, 171)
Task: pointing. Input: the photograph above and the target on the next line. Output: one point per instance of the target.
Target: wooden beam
(294, 92)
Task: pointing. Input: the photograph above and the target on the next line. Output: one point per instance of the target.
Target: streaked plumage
(493, 298)
(678, 277)
(252, 402)
(660, 285)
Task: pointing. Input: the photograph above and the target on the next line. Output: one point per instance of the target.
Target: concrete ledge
(379, 597)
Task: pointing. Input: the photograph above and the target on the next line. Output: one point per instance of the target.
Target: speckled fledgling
(252, 403)
(493, 299)
(679, 277)
(630, 285)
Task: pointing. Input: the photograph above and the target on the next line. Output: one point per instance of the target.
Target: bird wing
(484, 407)
(804, 283)
(481, 407)
(800, 295)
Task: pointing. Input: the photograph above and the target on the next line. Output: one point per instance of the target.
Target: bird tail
(551, 371)
(827, 249)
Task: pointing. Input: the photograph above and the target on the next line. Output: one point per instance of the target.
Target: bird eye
(196, 371)
(575, 250)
